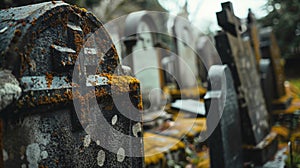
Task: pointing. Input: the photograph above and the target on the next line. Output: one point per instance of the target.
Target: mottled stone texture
(40, 45)
(225, 143)
(237, 54)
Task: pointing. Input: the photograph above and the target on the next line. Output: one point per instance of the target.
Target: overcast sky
(203, 12)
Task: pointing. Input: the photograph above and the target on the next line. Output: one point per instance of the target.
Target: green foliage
(284, 18)
(296, 161)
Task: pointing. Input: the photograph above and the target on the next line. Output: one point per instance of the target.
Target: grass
(295, 82)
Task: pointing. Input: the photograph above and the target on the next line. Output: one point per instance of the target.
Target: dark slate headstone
(237, 54)
(267, 82)
(225, 143)
(270, 49)
(40, 44)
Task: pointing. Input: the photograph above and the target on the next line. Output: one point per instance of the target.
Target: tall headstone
(143, 58)
(253, 32)
(270, 50)
(263, 64)
(208, 53)
(225, 143)
(187, 70)
(41, 45)
(236, 54)
(265, 69)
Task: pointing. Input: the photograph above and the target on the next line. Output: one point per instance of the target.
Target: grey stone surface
(43, 128)
(225, 143)
(237, 54)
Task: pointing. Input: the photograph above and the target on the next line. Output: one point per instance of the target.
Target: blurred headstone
(266, 82)
(225, 143)
(144, 59)
(239, 59)
(187, 70)
(270, 50)
(208, 54)
(237, 54)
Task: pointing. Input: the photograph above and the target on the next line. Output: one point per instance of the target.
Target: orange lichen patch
(190, 92)
(189, 127)
(122, 83)
(290, 110)
(203, 160)
(18, 32)
(49, 78)
(282, 99)
(23, 23)
(296, 103)
(281, 131)
(83, 10)
(265, 142)
(155, 147)
(140, 105)
(33, 22)
(205, 163)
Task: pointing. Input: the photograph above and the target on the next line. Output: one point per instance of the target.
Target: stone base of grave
(263, 151)
(282, 103)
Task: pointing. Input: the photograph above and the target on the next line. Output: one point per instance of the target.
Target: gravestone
(208, 53)
(237, 54)
(225, 143)
(41, 44)
(266, 82)
(253, 33)
(239, 59)
(189, 89)
(144, 59)
(270, 50)
(263, 64)
(187, 70)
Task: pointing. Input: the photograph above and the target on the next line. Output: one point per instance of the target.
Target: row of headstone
(252, 107)
(49, 126)
(151, 60)
(239, 58)
(236, 52)
(266, 48)
(144, 58)
(270, 50)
